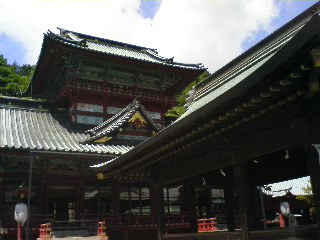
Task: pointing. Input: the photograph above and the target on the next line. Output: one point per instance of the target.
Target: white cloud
(210, 31)
(207, 31)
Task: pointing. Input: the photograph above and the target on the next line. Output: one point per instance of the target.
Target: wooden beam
(271, 141)
(158, 208)
(193, 165)
(244, 199)
(230, 199)
(2, 179)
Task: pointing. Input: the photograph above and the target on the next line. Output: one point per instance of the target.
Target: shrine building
(90, 134)
(90, 100)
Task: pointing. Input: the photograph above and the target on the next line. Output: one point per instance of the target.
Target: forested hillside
(14, 79)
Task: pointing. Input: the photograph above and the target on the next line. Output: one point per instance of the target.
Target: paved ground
(78, 238)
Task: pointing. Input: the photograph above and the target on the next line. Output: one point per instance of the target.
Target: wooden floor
(302, 233)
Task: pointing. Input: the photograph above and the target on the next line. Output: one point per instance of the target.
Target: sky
(212, 32)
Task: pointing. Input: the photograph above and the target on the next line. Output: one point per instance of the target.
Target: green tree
(14, 79)
(178, 110)
(308, 199)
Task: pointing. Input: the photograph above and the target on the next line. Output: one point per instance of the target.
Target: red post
(45, 231)
(19, 232)
(282, 221)
(101, 230)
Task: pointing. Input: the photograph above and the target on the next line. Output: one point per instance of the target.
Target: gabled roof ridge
(142, 54)
(144, 112)
(243, 66)
(105, 40)
(170, 60)
(26, 99)
(24, 108)
(93, 130)
(302, 18)
(116, 122)
(25, 103)
(216, 89)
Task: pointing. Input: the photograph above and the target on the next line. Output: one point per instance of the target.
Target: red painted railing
(102, 231)
(45, 231)
(207, 225)
(113, 221)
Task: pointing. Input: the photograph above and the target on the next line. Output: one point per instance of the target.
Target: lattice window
(113, 110)
(90, 107)
(135, 200)
(171, 197)
(93, 120)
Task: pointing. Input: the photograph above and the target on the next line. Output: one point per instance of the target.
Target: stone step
(75, 238)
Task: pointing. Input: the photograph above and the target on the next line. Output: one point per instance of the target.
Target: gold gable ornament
(138, 120)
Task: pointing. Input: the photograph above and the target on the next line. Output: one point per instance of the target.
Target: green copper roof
(222, 83)
(115, 48)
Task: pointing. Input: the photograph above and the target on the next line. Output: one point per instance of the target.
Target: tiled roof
(294, 186)
(115, 48)
(224, 82)
(118, 121)
(44, 130)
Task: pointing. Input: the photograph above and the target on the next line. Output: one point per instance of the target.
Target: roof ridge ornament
(190, 97)
(66, 37)
(170, 60)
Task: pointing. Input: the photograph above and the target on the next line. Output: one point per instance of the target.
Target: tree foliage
(308, 199)
(178, 110)
(14, 79)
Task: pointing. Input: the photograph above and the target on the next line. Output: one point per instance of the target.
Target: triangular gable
(133, 114)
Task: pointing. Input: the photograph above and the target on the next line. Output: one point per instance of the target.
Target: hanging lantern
(285, 209)
(21, 213)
